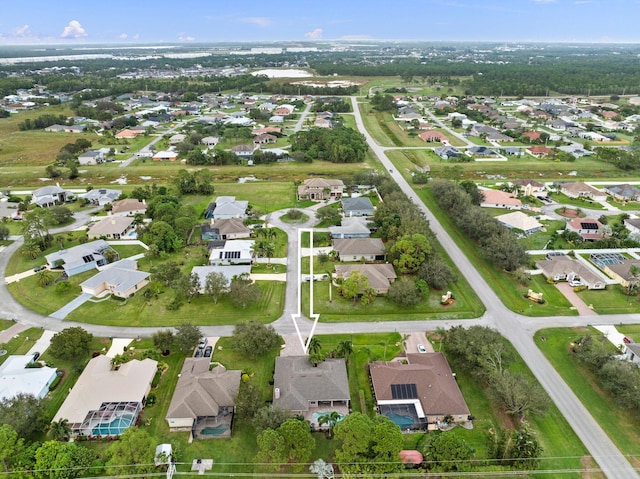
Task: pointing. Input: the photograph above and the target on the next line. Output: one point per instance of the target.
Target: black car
(36, 355)
(39, 268)
(207, 351)
(198, 353)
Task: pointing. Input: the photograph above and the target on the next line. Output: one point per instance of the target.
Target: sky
(171, 21)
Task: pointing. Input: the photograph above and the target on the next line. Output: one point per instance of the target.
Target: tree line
(337, 145)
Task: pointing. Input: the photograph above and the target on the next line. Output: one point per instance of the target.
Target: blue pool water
(316, 415)
(132, 234)
(215, 431)
(402, 421)
(115, 427)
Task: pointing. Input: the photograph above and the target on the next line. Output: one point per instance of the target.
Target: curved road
(518, 329)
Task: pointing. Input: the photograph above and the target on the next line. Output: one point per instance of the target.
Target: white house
(17, 378)
(233, 252)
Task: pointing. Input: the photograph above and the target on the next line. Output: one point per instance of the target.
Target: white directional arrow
(298, 315)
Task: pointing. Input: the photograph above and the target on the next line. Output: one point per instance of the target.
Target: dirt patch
(569, 213)
(591, 469)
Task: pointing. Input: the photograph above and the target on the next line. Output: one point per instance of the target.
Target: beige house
(582, 190)
(356, 249)
(112, 227)
(204, 400)
(320, 189)
(627, 272)
(121, 279)
(128, 207)
(418, 394)
(379, 275)
(105, 400)
(565, 268)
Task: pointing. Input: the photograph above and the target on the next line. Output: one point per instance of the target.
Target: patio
(214, 427)
(314, 413)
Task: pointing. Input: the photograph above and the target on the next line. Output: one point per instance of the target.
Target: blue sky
(143, 21)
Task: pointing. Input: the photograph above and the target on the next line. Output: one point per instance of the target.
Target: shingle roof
(355, 246)
(120, 280)
(356, 204)
(379, 275)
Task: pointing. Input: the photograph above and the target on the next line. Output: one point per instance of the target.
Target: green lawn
(611, 300)
(579, 203)
(540, 239)
(266, 268)
(621, 425)
(631, 205)
(20, 344)
(126, 251)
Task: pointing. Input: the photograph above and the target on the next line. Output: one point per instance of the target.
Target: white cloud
(74, 30)
(136, 36)
(123, 36)
(258, 21)
(21, 32)
(314, 34)
(183, 37)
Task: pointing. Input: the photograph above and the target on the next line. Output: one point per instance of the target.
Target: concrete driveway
(417, 338)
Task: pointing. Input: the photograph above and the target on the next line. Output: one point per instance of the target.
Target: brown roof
(356, 246)
(624, 269)
(497, 197)
(111, 225)
(437, 389)
(581, 188)
(201, 392)
(230, 226)
(379, 275)
(128, 204)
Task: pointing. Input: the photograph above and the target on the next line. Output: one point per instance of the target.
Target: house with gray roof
(204, 399)
(51, 195)
(120, 279)
(310, 390)
(624, 192)
(81, 258)
(232, 228)
(229, 271)
(447, 152)
(355, 249)
(354, 227)
(112, 227)
(16, 377)
(91, 157)
(379, 275)
(360, 206)
(225, 207)
(565, 268)
(101, 196)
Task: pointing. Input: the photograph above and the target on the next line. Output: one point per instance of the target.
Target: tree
(44, 278)
(298, 442)
(167, 273)
(368, 446)
(4, 233)
(162, 235)
(25, 414)
(71, 343)
(60, 215)
(61, 460)
(248, 402)
(357, 285)
(314, 345)
(187, 336)
(409, 252)
(163, 339)
(243, 291)
(30, 250)
(254, 339)
(447, 452)
(345, 349)
(330, 419)
(519, 394)
(35, 227)
(271, 449)
(404, 292)
(10, 446)
(436, 273)
(216, 285)
(60, 430)
(526, 450)
(269, 417)
(133, 453)
(186, 286)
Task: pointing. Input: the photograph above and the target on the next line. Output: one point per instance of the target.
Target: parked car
(36, 355)
(202, 343)
(421, 348)
(198, 353)
(39, 268)
(207, 351)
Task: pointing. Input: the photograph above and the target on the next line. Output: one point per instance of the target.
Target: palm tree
(30, 250)
(269, 249)
(60, 430)
(314, 346)
(404, 341)
(44, 278)
(270, 233)
(344, 349)
(384, 343)
(330, 419)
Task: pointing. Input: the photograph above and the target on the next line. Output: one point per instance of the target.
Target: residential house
(576, 150)
(627, 272)
(81, 258)
(512, 151)
(177, 138)
(433, 136)
(91, 157)
(422, 391)
(519, 221)
(276, 119)
(105, 401)
(407, 114)
(565, 268)
(447, 152)
(532, 135)
(481, 152)
(500, 199)
(624, 192)
(128, 207)
(48, 196)
(632, 353)
(633, 225)
(228, 271)
(232, 228)
(358, 206)
(351, 227)
(264, 139)
(17, 377)
(266, 129)
(582, 190)
(128, 133)
(112, 227)
(588, 228)
(226, 207)
(204, 399)
(320, 189)
(309, 390)
(232, 252)
(120, 279)
(101, 196)
(165, 156)
(379, 275)
(530, 187)
(540, 151)
(210, 141)
(244, 152)
(357, 249)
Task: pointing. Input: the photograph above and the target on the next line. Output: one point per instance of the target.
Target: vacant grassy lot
(611, 300)
(621, 425)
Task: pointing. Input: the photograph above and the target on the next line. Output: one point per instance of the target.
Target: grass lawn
(580, 203)
(630, 205)
(20, 344)
(540, 239)
(621, 425)
(294, 219)
(140, 311)
(265, 268)
(385, 130)
(126, 251)
(611, 300)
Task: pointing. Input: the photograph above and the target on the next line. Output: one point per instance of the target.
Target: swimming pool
(115, 427)
(400, 420)
(317, 415)
(215, 431)
(132, 234)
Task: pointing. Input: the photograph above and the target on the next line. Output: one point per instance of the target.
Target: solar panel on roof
(404, 391)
